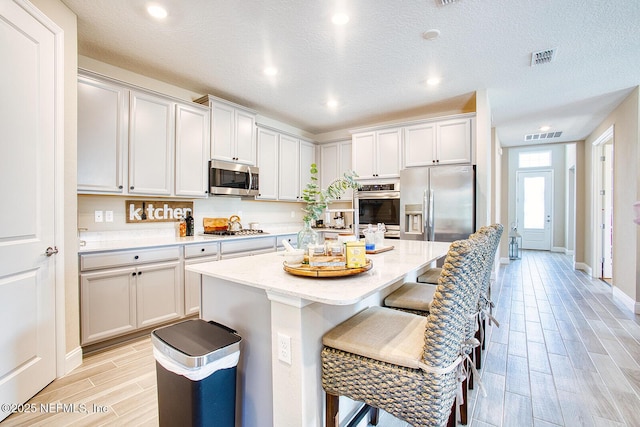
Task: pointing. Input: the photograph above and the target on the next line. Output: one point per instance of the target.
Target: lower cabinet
(118, 300)
(196, 254)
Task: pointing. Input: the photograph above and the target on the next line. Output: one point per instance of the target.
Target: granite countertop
(266, 273)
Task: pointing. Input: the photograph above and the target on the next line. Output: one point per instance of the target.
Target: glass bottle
(189, 222)
(307, 236)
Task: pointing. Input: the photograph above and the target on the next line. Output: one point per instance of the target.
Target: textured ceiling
(377, 64)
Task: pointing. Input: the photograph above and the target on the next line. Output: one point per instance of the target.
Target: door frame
(519, 173)
(597, 202)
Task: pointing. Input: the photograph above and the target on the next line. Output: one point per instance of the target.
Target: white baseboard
(568, 252)
(558, 249)
(582, 266)
(72, 360)
(504, 260)
(626, 300)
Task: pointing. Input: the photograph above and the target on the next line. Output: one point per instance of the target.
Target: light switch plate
(108, 216)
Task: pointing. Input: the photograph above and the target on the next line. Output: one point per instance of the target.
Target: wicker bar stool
(405, 364)
(416, 298)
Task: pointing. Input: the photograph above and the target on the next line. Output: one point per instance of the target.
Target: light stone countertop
(266, 272)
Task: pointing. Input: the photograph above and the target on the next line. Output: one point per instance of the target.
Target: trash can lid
(196, 342)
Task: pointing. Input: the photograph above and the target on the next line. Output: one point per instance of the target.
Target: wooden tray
(383, 249)
(308, 271)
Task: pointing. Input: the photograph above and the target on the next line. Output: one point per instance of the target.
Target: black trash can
(196, 364)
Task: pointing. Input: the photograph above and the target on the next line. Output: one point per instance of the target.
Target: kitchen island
(281, 319)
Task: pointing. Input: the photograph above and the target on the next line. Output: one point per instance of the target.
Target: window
(534, 159)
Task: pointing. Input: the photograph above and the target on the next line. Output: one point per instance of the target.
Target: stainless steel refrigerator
(437, 203)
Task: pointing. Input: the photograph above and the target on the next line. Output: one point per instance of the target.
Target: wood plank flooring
(565, 354)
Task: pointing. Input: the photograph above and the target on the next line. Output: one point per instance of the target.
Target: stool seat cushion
(383, 334)
(411, 295)
(430, 276)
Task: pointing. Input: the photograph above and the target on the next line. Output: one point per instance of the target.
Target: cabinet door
(268, 164)
(345, 166)
(222, 132)
(192, 151)
(454, 141)
(329, 164)
(151, 144)
(107, 303)
(102, 136)
(307, 157)
(192, 286)
(363, 159)
(288, 168)
(159, 294)
(420, 145)
(388, 153)
(245, 130)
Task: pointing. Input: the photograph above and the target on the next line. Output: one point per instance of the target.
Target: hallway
(565, 354)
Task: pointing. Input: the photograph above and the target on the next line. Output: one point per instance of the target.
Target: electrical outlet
(108, 216)
(284, 348)
(98, 216)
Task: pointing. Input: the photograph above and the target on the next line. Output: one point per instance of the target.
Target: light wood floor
(565, 355)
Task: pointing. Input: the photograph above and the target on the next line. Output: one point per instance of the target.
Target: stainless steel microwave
(232, 179)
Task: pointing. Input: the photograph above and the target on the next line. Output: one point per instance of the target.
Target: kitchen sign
(156, 211)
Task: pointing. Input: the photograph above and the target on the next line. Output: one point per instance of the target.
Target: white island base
(267, 306)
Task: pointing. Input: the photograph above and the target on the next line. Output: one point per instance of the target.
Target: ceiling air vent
(543, 56)
(542, 136)
(446, 2)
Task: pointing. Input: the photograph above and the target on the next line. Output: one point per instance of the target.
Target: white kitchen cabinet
(128, 137)
(151, 144)
(233, 131)
(376, 154)
(192, 149)
(122, 291)
(438, 143)
(268, 164)
(288, 168)
(335, 160)
(246, 247)
(103, 110)
(196, 254)
(307, 157)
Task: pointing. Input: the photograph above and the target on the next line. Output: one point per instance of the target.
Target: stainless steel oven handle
(378, 195)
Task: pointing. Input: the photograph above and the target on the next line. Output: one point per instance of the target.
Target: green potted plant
(317, 199)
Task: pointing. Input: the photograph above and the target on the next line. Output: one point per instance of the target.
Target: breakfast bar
(281, 318)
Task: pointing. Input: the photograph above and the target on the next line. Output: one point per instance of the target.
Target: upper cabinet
(376, 154)
(162, 143)
(438, 142)
(285, 163)
(103, 116)
(335, 160)
(233, 131)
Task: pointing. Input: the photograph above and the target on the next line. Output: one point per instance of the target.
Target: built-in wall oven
(376, 203)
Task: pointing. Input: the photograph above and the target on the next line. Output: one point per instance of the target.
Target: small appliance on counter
(228, 227)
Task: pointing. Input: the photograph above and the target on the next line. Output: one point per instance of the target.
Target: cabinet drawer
(202, 249)
(248, 245)
(129, 257)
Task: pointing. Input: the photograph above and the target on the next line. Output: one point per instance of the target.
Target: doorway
(534, 208)
(603, 197)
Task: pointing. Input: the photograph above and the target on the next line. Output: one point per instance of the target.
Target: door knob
(51, 251)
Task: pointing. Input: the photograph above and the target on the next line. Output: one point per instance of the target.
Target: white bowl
(294, 257)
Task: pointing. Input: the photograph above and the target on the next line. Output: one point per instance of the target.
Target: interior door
(535, 208)
(27, 274)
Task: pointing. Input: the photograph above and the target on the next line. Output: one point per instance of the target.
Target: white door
(534, 208)
(606, 224)
(27, 275)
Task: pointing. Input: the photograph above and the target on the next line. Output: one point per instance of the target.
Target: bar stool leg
(331, 411)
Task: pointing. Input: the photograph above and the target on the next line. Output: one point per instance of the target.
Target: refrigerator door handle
(425, 211)
(432, 231)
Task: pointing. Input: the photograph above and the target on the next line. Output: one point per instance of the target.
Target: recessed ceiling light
(340, 18)
(431, 34)
(433, 81)
(270, 71)
(332, 103)
(544, 128)
(157, 11)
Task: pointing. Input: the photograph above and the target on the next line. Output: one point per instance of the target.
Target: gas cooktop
(228, 233)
